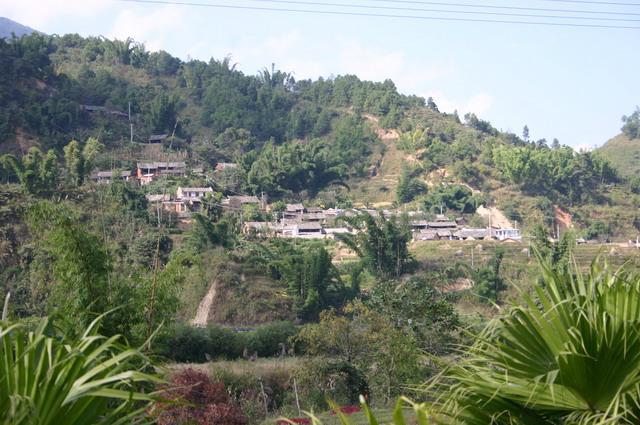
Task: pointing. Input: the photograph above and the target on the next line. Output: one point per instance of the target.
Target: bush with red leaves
(192, 398)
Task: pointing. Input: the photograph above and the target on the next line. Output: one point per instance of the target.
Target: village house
(312, 229)
(159, 198)
(102, 109)
(442, 222)
(316, 217)
(236, 202)
(331, 232)
(148, 171)
(261, 228)
(191, 197)
(472, 234)
(418, 225)
(444, 234)
(313, 210)
(157, 138)
(225, 165)
(192, 192)
(292, 211)
(426, 235)
(177, 206)
(166, 203)
(333, 212)
(507, 234)
(109, 176)
(303, 230)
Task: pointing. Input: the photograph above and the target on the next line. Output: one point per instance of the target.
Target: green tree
(631, 127)
(409, 187)
(487, 280)
(162, 112)
(80, 266)
(417, 307)
(556, 252)
(453, 197)
(381, 244)
(92, 148)
(369, 341)
(314, 283)
(74, 162)
(37, 173)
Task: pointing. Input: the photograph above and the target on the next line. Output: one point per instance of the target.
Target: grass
(519, 269)
(475, 253)
(623, 153)
(258, 367)
(383, 415)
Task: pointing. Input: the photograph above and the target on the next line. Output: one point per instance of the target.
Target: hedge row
(184, 343)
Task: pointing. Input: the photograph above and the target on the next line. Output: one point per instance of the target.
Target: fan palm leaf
(569, 355)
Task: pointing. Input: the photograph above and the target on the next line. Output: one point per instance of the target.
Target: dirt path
(497, 217)
(202, 315)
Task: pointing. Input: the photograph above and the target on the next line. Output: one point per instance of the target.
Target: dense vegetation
(339, 318)
(559, 173)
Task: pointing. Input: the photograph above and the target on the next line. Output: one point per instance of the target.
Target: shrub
(186, 343)
(246, 382)
(192, 398)
(269, 340)
(321, 379)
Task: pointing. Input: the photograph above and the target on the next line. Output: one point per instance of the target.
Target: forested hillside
(306, 240)
(341, 140)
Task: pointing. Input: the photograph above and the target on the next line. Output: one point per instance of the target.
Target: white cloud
(479, 103)
(371, 63)
(44, 14)
(149, 26)
(282, 44)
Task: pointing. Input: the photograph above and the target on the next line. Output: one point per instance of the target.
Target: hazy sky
(565, 82)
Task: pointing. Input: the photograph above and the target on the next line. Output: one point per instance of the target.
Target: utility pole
(130, 125)
(173, 134)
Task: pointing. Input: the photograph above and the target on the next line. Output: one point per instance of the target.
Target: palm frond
(569, 354)
(47, 379)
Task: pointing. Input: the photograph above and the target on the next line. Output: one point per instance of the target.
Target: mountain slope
(623, 153)
(335, 142)
(8, 27)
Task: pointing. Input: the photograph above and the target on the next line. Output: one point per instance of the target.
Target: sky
(570, 83)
